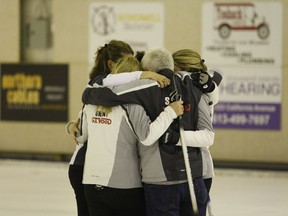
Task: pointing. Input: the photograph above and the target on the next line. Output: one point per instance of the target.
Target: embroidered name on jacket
(100, 118)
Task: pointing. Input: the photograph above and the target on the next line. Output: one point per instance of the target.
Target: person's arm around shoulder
(123, 94)
(121, 78)
(126, 77)
(149, 132)
(162, 80)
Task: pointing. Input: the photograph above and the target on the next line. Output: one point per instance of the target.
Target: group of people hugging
(129, 158)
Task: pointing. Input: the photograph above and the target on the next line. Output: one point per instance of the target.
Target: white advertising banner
(242, 33)
(244, 41)
(139, 24)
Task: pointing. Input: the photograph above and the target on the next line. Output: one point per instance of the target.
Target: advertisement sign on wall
(244, 42)
(32, 92)
(139, 24)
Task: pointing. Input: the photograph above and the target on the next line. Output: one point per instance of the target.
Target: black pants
(208, 183)
(115, 202)
(75, 176)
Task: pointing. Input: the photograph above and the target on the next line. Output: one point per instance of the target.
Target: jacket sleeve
(214, 96)
(148, 132)
(121, 78)
(204, 135)
(103, 96)
(136, 92)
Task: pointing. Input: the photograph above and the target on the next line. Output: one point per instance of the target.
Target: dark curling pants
(75, 176)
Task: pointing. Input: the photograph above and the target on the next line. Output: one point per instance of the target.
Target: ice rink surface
(37, 188)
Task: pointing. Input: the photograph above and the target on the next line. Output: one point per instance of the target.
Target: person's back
(171, 182)
(111, 158)
(110, 138)
(188, 61)
(105, 57)
(111, 161)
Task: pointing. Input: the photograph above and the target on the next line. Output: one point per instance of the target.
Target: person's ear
(110, 64)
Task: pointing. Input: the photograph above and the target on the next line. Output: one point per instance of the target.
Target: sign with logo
(31, 92)
(244, 41)
(139, 24)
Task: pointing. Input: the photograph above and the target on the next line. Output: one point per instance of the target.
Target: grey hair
(156, 59)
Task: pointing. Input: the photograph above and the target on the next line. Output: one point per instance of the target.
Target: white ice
(36, 188)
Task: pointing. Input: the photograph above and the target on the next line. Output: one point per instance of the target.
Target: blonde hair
(187, 59)
(125, 64)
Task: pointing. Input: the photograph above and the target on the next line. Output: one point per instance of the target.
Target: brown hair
(114, 50)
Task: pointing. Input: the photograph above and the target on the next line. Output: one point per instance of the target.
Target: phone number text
(241, 119)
